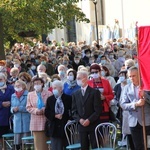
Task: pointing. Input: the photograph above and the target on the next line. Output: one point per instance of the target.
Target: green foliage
(37, 15)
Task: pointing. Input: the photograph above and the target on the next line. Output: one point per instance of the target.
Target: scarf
(2, 88)
(19, 94)
(71, 84)
(59, 106)
(40, 103)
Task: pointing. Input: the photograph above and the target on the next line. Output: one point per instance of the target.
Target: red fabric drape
(144, 55)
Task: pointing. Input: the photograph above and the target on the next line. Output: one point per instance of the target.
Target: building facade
(116, 18)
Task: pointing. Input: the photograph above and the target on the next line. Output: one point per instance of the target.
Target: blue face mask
(43, 62)
(2, 84)
(61, 73)
(56, 93)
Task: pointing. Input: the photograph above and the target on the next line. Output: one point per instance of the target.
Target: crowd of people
(72, 81)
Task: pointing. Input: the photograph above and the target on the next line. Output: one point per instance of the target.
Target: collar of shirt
(84, 89)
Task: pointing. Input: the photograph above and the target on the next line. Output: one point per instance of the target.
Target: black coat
(88, 106)
(57, 125)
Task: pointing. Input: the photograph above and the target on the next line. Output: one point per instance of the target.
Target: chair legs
(3, 144)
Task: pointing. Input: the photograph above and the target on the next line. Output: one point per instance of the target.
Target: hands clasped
(85, 122)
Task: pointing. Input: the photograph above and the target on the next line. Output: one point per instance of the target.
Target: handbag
(47, 128)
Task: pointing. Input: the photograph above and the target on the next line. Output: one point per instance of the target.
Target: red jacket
(108, 92)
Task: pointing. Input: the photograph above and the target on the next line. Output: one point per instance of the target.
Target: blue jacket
(21, 120)
(5, 112)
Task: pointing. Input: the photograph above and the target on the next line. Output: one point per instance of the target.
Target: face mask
(61, 73)
(37, 61)
(136, 65)
(80, 56)
(99, 56)
(8, 60)
(32, 56)
(2, 84)
(76, 61)
(16, 65)
(43, 62)
(103, 73)
(88, 55)
(121, 79)
(18, 89)
(33, 67)
(95, 75)
(70, 78)
(91, 61)
(103, 61)
(65, 62)
(37, 87)
(80, 83)
(56, 93)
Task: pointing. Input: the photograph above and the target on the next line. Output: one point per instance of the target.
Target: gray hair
(41, 66)
(83, 73)
(24, 86)
(60, 67)
(129, 63)
(133, 68)
(57, 83)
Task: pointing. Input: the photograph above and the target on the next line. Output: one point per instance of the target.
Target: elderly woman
(58, 110)
(71, 85)
(21, 119)
(46, 79)
(62, 73)
(103, 85)
(14, 72)
(24, 76)
(36, 101)
(5, 96)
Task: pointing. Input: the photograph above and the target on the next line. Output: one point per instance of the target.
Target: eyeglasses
(94, 72)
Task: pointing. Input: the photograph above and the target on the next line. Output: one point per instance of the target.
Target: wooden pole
(140, 84)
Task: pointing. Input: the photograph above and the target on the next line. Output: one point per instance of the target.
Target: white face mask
(33, 67)
(80, 83)
(37, 87)
(95, 75)
(18, 89)
(70, 78)
(76, 61)
(32, 56)
(16, 65)
(88, 55)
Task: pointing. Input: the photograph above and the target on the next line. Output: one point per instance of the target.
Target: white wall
(126, 11)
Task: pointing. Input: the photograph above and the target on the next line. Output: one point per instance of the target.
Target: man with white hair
(58, 110)
(86, 109)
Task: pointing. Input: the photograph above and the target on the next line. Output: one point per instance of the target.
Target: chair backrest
(72, 133)
(105, 135)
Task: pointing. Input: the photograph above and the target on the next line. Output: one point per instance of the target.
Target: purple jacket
(5, 112)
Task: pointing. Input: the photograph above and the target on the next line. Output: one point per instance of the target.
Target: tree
(38, 16)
